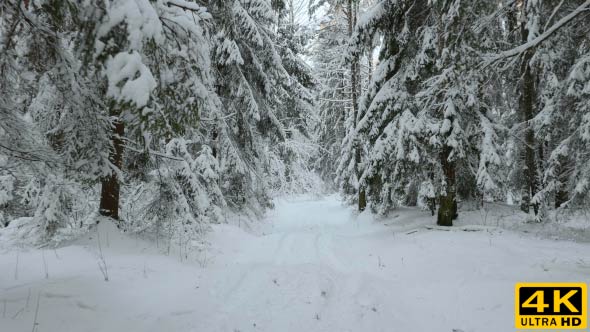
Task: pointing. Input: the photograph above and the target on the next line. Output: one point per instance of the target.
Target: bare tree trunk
(370, 61)
(362, 196)
(215, 142)
(110, 191)
(562, 194)
(527, 113)
(448, 202)
(292, 15)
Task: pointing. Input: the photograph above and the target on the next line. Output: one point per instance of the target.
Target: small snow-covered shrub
(6, 195)
(180, 198)
(427, 196)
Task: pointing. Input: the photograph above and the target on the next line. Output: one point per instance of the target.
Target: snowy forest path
(318, 266)
(311, 265)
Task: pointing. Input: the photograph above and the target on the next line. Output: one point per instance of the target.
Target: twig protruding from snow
(102, 264)
(36, 313)
(45, 267)
(16, 265)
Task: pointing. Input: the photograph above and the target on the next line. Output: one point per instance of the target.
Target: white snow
(6, 186)
(129, 79)
(312, 265)
(141, 19)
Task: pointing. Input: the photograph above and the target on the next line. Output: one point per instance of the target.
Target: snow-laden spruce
(160, 114)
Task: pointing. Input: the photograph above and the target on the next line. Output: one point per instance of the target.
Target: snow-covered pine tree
(458, 128)
(424, 95)
(544, 48)
(169, 152)
(256, 89)
(342, 79)
(327, 54)
(349, 166)
(58, 135)
(561, 123)
(154, 57)
(297, 111)
(94, 78)
(571, 152)
(386, 127)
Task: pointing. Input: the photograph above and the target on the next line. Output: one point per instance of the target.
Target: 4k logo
(551, 306)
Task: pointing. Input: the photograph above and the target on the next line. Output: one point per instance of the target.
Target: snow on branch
(198, 7)
(129, 79)
(535, 42)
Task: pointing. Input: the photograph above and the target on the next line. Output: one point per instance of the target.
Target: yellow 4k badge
(551, 305)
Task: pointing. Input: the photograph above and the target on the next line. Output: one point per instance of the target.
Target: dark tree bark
(562, 194)
(448, 203)
(362, 199)
(110, 191)
(527, 113)
(214, 142)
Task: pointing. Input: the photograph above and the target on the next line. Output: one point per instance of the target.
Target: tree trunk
(448, 203)
(110, 191)
(370, 70)
(362, 199)
(292, 16)
(214, 142)
(562, 194)
(354, 87)
(527, 113)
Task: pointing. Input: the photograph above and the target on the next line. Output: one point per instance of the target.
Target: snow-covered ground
(311, 266)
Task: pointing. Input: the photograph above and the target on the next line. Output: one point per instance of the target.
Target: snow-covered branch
(537, 41)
